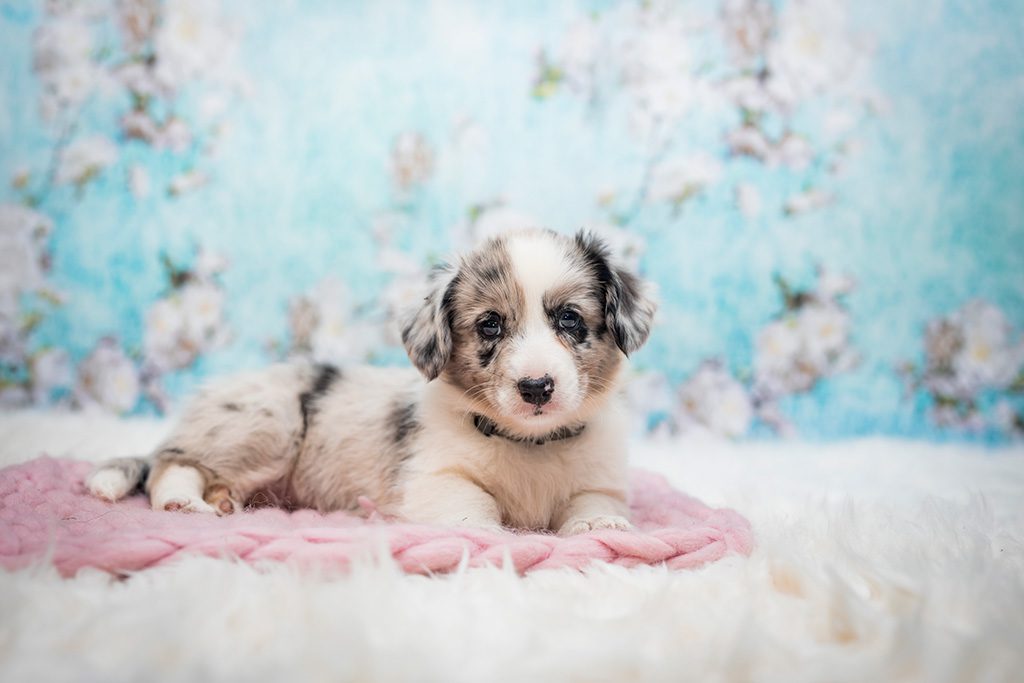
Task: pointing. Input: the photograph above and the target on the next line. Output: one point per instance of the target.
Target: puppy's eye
(568, 320)
(490, 326)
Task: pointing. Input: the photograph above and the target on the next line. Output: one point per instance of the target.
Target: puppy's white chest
(529, 483)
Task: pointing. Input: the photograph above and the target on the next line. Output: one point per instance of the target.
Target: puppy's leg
(590, 511)
(179, 488)
(237, 437)
(451, 499)
(114, 479)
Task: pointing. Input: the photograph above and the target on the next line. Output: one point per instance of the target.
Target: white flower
(822, 330)
(778, 344)
(192, 42)
(985, 358)
(23, 237)
(187, 182)
(175, 135)
(62, 58)
(165, 322)
(813, 50)
(716, 400)
(138, 78)
(137, 20)
(748, 140)
(808, 200)
(50, 369)
(832, 285)
(85, 158)
(209, 263)
(139, 125)
(748, 199)
(322, 326)
(340, 341)
(655, 49)
(203, 306)
(793, 151)
(107, 378)
(139, 182)
(677, 180)
(838, 122)
(748, 27)
(579, 52)
(748, 93)
(59, 43)
(412, 160)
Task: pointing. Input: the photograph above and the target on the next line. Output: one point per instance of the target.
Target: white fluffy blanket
(876, 560)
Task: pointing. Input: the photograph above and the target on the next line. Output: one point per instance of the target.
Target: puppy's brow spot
(231, 407)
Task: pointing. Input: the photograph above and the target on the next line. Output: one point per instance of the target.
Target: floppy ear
(629, 303)
(427, 330)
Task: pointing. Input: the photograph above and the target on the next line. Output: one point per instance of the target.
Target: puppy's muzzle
(536, 390)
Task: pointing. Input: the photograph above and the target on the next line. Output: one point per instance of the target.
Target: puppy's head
(531, 327)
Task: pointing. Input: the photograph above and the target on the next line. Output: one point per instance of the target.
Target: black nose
(536, 391)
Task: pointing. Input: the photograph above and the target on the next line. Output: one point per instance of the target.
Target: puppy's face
(531, 327)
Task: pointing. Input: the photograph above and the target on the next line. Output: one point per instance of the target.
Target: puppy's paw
(581, 525)
(108, 483)
(182, 503)
(219, 497)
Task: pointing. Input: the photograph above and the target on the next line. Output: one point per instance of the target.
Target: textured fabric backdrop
(829, 194)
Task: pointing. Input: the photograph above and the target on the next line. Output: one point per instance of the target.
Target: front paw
(581, 525)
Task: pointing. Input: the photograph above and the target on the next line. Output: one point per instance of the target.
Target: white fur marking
(182, 486)
(539, 263)
(109, 483)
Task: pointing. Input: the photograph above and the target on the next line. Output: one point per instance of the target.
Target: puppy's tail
(114, 479)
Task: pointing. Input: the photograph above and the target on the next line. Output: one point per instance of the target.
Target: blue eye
(490, 327)
(569, 320)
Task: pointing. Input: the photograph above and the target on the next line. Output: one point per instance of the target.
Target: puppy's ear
(629, 301)
(427, 330)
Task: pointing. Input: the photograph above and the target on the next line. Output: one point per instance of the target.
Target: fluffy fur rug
(875, 560)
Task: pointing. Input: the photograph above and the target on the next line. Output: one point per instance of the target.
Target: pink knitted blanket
(46, 513)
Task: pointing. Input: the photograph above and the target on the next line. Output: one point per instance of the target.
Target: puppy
(516, 420)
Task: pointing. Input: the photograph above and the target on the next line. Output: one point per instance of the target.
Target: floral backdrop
(827, 192)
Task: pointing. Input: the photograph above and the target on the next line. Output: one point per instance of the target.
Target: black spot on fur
(232, 407)
(491, 274)
(595, 253)
(144, 468)
(428, 336)
(172, 451)
(326, 375)
(627, 315)
(486, 354)
(403, 421)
